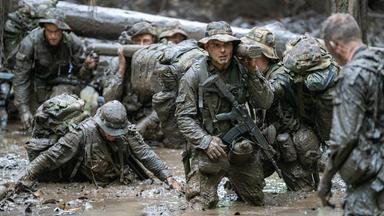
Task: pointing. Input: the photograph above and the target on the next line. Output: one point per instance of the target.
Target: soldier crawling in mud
(290, 133)
(48, 57)
(196, 112)
(100, 149)
(356, 144)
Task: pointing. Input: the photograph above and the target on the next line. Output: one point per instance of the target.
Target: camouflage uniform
(197, 123)
(282, 121)
(119, 88)
(84, 152)
(38, 65)
(182, 56)
(356, 144)
(19, 24)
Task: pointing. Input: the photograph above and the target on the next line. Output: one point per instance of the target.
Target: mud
(150, 197)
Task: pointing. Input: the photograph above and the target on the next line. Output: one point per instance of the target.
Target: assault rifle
(244, 124)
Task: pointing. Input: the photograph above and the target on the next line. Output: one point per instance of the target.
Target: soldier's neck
(353, 46)
(221, 67)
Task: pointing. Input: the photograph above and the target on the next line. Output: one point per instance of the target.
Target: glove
(26, 117)
(215, 149)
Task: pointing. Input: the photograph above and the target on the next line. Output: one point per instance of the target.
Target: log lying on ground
(108, 23)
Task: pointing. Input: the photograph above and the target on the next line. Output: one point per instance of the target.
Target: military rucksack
(145, 74)
(305, 54)
(53, 119)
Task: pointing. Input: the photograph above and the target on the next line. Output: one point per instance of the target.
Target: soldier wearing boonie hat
(173, 33)
(206, 161)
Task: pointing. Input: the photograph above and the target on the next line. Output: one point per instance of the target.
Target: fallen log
(108, 23)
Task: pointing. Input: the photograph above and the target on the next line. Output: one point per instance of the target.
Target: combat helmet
(55, 17)
(220, 31)
(264, 39)
(112, 118)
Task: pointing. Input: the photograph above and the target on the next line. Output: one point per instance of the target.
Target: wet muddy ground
(141, 198)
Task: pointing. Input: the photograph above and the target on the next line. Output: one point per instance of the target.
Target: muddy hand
(91, 61)
(215, 149)
(325, 194)
(122, 61)
(174, 184)
(26, 120)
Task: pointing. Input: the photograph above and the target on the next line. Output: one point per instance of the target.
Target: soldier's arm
(112, 82)
(146, 155)
(57, 155)
(78, 58)
(22, 81)
(321, 80)
(260, 91)
(187, 110)
(348, 115)
(281, 84)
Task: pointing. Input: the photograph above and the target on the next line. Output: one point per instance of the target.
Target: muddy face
(53, 34)
(176, 38)
(220, 52)
(143, 39)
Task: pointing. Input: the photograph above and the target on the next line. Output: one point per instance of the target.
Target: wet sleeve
(57, 155)
(320, 80)
(146, 155)
(23, 71)
(348, 114)
(187, 112)
(281, 84)
(260, 91)
(78, 58)
(113, 82)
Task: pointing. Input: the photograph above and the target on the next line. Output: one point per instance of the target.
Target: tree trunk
(358, 9)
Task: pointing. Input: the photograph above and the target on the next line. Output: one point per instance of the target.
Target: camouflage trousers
(204, 176)
(367, 198)
(298, 155)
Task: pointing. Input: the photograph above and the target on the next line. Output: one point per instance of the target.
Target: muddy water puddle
(141, 198)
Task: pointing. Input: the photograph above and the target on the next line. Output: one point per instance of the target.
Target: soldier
(118, 85)
(141, 33)
(281, 123)
(173, 33)
(356, 144)
(101, 149)
(48, 57)
(196, 111)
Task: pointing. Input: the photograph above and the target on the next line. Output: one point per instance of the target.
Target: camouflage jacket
(282, 112)
(37, 62)
(358, 114)
(86, 152)
(308, 101)
(196, 111)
